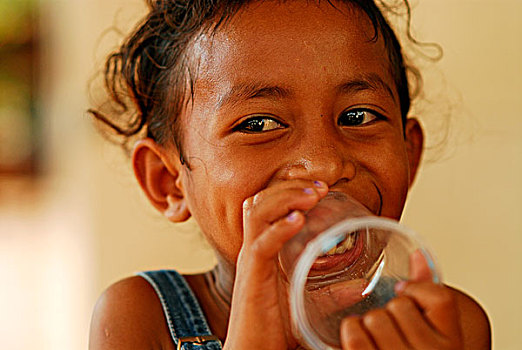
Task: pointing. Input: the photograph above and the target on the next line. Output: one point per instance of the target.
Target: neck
(223, 276)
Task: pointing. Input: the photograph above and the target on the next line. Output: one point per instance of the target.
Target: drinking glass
(346, 261)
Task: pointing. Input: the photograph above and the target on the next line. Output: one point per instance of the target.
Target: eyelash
(247, 125)
(358, 113)
(261, 121)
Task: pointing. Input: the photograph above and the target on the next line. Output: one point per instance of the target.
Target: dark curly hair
(147, 77)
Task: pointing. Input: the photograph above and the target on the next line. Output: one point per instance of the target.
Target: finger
(354, 336)
(411, 322)
(419, 267)
(257, 218)
(272, 204)
(279, 188)
(438, 304)
(278, 192)
(268, 245)
(384, 331)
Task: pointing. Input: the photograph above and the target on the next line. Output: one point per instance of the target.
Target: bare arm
(128, 315)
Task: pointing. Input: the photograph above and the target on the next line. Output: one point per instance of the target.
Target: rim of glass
(312, 250)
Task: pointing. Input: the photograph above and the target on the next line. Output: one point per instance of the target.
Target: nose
(320, 155)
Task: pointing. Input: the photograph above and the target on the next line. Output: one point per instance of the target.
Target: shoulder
(129, 315)
(475, 322)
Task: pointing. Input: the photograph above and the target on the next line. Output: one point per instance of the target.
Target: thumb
(419, 267)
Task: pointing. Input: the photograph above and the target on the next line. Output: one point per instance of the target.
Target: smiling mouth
(338, 258)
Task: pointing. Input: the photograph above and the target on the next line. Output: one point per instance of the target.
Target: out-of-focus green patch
(14, 15)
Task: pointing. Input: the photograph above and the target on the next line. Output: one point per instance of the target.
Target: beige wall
(95, 227)
(468, 205)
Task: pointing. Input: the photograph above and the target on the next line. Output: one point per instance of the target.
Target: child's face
(271, 99)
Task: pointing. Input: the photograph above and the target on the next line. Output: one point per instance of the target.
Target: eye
(357, 117)
(258, 124)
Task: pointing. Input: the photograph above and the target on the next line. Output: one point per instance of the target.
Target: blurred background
(72, 219)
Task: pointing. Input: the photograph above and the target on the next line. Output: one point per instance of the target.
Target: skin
(247, 187)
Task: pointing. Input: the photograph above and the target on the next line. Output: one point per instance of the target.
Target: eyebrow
(249, 91)
(371, 81)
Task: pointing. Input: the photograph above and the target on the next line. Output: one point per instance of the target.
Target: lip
(332, 264)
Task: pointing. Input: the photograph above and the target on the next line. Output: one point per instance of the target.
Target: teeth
(332, 251)
(341, 249)
(343, 246)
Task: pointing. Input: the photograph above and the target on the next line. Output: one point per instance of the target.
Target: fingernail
(308, 191)
(292, 217)
(318, 183)
(399, 286)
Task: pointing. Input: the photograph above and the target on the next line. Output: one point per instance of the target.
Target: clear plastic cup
(346, 261)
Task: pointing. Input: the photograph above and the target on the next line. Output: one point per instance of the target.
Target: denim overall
(188, 328)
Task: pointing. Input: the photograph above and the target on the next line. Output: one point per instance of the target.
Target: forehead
(289, 43)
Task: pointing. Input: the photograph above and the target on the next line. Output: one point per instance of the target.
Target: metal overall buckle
(197, 340)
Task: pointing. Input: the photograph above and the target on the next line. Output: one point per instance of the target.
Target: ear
(158, 173)
(414, 145)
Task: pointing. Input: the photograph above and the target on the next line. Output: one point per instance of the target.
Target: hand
(258, 318)
(424, 315)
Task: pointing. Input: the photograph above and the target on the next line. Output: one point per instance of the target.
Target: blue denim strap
(182, 311)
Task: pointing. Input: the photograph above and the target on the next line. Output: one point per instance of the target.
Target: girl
(249, 113)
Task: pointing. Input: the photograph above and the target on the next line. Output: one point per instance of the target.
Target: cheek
(219, 181)
(216, 209)
(394, 178)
